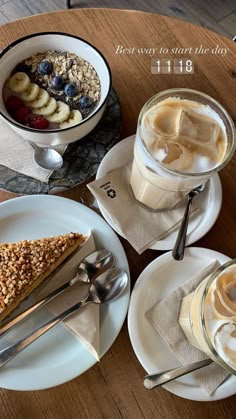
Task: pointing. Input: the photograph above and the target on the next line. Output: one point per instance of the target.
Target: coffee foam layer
(185, 135)
(220, 315)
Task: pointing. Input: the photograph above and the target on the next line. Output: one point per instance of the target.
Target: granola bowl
(54, 86)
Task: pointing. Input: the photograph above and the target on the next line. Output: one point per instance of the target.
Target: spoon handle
(16, 320)
(178, 251)
(11, 351)
(156, 380)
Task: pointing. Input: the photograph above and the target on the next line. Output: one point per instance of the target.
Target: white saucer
(159, 279)
(209, 201)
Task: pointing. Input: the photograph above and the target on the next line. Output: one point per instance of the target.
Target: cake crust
(24, 265)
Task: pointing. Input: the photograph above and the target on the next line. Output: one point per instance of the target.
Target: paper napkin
(83, 324)
(164, 318)
(138, 225)
(17, 154)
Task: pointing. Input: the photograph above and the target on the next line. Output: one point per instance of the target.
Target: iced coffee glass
(183, 138)
(208, 316)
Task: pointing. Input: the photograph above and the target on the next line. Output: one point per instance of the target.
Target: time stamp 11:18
(175, 66)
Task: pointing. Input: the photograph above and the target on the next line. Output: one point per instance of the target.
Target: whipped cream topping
(185, 135)
(220, 315)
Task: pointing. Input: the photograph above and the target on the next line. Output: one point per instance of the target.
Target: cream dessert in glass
(208, 316)
(183, 138)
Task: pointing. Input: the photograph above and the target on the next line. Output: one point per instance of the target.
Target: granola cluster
(73, 69)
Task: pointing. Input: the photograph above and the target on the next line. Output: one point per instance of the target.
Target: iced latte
(183, 137)
(208, 316)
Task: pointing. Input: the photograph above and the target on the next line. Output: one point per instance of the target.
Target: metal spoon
(106, 287)
(156, 380)
(93, 264)
(178, 251)
(47, 158)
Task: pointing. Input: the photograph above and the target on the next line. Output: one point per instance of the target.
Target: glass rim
(178, 172)
(212, 277)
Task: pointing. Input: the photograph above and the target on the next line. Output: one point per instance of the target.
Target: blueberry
(70, 89)
(85, 101)
(22, 67)
(45, 67)
(57, 82)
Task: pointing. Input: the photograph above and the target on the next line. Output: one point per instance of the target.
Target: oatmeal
(52, 90)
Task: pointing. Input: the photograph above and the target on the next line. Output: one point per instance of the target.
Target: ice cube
(174, 152)
(163, 120)
(198, 127)
(177, 156)
(160, 154)
(201, 164)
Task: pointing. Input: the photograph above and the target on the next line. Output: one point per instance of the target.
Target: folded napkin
(83, 324)
(17, 154)
(138, 225)
(164, 317)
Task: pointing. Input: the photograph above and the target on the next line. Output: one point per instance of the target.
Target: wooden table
(113, 388)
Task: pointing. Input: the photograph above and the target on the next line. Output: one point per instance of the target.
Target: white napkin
(83, 324)
(140, 227)
(17, 154)
(164, 318)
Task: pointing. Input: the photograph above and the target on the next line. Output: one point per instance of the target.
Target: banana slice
(74, 118)
(48, 109)
(19, 82)
(41, 100)
(30, 93)
(61, 113)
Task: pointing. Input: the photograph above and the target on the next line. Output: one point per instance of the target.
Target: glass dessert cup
(158, 186)
(208, 315)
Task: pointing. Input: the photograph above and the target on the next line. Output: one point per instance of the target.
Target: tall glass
(208, 316)
(154, 184)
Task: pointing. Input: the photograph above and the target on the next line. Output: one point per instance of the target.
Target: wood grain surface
(212, 14)
(113, 388)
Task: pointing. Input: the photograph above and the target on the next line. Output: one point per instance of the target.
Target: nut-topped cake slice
(26, 264)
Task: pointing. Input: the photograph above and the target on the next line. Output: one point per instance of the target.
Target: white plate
(209, 201)
(57, 356)
(158, 279)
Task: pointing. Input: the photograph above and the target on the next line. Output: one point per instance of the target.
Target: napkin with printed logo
(17, 154)
(164, 317)
(84, 323)
(139, 226)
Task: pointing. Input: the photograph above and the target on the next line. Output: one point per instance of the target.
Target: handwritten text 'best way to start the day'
(200, 50)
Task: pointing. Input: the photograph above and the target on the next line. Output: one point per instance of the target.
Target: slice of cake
(26, 264)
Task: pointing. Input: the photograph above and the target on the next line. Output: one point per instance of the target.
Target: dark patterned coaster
(81, 158)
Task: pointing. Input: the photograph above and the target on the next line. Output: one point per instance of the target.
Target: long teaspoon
(106, 287)
(156, 380)
(178, 251)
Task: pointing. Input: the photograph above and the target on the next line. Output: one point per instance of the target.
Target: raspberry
(22, 114)
(13, 103)
(38, 122)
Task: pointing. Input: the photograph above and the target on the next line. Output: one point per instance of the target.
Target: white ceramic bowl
(40, 42)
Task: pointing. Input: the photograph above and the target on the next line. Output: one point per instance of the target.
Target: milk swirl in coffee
(179, 135)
